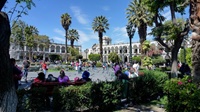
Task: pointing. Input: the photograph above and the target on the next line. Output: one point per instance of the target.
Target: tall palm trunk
(195, 27)
(8, 97)
(72, 43)
(30, 54)
(142, 30)
(100, 45)
(66, 30)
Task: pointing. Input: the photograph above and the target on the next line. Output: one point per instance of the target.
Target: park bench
(51, 85)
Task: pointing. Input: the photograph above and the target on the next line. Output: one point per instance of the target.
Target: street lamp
(86, 51)
(130, 31)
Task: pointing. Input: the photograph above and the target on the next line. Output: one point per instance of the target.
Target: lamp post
(86, 51)
(130, 31)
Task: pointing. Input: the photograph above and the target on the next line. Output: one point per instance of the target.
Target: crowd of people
(121, 71)
(62, 78)
(126, 71)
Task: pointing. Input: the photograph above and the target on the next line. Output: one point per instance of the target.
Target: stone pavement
(95, 74)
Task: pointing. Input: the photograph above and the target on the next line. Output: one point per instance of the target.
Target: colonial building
(122, 49)
(54, 48)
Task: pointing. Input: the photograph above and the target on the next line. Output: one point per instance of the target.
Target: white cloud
(120, 31)
(84, 38)
(60, 32)
(59, 40)
(80, 16)
(105, 8)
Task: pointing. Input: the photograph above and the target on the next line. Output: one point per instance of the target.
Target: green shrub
(72, 98)
(32, 100)
(70, 68)
(147, 87)
(136, 59)
(104, 95)
(183, 95)
(99, 64)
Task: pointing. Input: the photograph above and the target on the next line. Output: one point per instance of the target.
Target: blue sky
(47, 13)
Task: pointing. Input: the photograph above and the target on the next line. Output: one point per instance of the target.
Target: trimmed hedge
(148, 87)
(102, 96)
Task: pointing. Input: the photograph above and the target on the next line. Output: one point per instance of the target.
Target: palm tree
(66, 22)
(73, 36)
(195, 25)
(146, 46)
(100, 24)
(146, 60)
(30, 33)
(138, 14)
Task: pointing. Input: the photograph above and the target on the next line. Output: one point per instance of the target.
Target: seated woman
(40, 78)
(63, 78)
(85, 76)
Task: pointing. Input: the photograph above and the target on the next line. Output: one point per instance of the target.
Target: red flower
(180, 83)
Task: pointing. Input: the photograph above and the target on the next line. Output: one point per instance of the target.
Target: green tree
(54, 57)
(188, 56)
(100, 25)
(73, 36)
(146, 46)
(174, 31)
(8, 97)
(139, 15)
(43, 41)
(137, 59)
(18, 34)
(146, 61)
(113, 57)
(194, 23)
(94, 57)
(66, 22)
(74, 53)
(79, 57)
(30, 33)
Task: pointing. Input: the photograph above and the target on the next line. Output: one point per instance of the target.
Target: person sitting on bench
(85, 76)
(40, 78)
(63, 78)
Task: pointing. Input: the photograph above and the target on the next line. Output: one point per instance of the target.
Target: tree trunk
(173, 12)
(100, 46)
(142, 34)
(30, 54)
(174, 54)
(72, 43)
(8, 97)
(66, 30)
(195, 27)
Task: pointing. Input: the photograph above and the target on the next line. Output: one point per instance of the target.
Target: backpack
(51, 78)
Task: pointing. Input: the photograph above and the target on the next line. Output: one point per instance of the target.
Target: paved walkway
(95, 74)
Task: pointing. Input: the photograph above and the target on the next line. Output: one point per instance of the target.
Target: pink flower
(180, 83)
(189, 80)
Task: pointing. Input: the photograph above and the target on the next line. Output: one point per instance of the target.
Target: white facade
(122, 49)
(54, 48)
